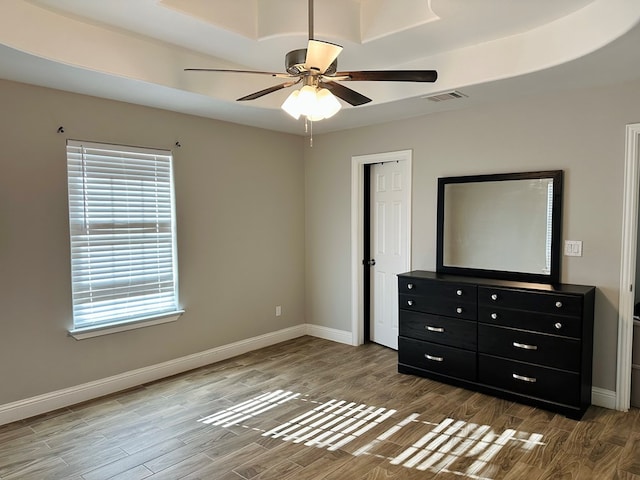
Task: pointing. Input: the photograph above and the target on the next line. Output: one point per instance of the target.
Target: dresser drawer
(557, 352)
(438, 289)
(527, 320)
(532, 380)
(542, 302)
(439, 329)
(439, 305)
(451, 361)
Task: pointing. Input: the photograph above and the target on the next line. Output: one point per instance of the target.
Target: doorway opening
(360, 236)
(628, 266)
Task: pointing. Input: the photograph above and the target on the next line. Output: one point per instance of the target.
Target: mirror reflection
(502, 225)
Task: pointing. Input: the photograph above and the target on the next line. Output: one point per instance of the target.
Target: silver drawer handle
(459, 293)
(525, 346)
(494, 296)
(410, 286)
(459, 310)
(494, 316)
(409, 302)
(523, 378)
(435, 329)
(558, 325)
(559, 304)
(432, 358)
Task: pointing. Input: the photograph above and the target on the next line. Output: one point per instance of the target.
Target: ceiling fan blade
(320, 55)
(257, 72)
(350, 96)
(390, 76)
(266, 91)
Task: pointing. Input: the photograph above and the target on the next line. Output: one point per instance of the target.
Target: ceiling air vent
(441, 97)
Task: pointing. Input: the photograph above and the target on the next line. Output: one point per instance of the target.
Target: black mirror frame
(556, 226)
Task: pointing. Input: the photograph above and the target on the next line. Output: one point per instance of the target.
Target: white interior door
(390, 199)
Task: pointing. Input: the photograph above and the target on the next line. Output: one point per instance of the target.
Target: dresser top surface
(491, 282)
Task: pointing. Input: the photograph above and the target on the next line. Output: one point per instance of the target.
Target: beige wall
(246, 201)
(580, 132)
(240, 217)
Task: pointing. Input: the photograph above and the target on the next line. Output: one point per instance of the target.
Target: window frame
(121, 160)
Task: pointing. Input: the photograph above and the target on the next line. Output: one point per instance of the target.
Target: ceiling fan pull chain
(308, 128)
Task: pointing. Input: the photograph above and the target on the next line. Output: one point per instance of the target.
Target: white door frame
(628, 266)
(357, 232)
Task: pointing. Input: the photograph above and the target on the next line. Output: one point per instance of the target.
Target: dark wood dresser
(526, 342)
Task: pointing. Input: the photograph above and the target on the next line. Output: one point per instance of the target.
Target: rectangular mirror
(501, 226)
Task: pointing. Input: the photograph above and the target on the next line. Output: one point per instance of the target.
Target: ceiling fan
(316, 68)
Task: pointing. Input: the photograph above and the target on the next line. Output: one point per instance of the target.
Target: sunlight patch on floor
(455, 446)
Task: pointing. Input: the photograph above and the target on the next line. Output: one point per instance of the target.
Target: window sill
(90, 332)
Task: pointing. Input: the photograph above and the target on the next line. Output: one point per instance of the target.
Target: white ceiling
(136, 50)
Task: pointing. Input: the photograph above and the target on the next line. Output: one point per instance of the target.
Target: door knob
(371, 262)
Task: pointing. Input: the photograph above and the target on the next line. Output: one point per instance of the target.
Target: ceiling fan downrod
(310, 19)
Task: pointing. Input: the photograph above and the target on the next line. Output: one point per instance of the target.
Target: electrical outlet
(278, 310)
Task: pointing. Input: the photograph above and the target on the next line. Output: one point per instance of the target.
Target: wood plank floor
(310, 409)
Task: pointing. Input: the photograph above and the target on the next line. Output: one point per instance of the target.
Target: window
(549, 235)
(123, 242)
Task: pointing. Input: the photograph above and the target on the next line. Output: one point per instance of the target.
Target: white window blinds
(549, 235)
(123, 247)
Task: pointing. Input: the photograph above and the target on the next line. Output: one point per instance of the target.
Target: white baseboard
(48, 402)
(339, 336)
(603, 398)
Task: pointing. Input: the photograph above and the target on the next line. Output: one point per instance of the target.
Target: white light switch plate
(573, 248)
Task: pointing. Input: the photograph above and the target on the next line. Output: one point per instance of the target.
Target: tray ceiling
(136, 50)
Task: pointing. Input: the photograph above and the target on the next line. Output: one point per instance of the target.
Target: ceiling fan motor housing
(295, 60)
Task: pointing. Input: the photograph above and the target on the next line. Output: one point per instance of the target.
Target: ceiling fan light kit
(312, 102)
(316, 67)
